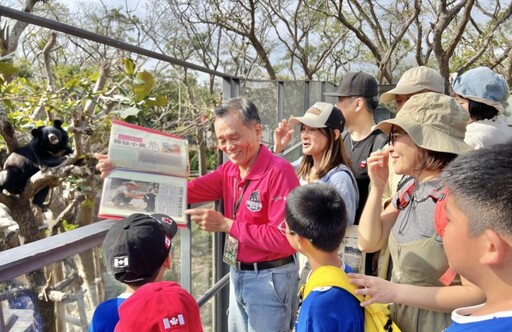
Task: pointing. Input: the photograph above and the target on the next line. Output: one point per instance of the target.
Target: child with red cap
(160, 306)
(137, 252)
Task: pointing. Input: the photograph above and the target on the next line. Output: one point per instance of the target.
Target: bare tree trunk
(201, 151)
(38, 284)
(7, 130)
(29, 232)
(85, 215)
(57, 270)
(9, 41)
(40, 111)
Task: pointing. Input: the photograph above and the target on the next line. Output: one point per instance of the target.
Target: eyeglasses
(283, 228)
(393, 136)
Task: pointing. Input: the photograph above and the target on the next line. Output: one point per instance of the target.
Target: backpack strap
(405, 193)
(440, 222)
(403, 181)
(329, 276)
(376, 315)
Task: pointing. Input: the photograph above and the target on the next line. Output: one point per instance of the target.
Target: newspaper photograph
(126, 192)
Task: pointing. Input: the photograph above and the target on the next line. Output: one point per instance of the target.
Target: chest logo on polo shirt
(254, 202)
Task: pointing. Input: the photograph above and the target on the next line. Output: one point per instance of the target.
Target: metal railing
(31, 256)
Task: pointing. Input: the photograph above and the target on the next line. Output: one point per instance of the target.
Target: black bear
(46, 148)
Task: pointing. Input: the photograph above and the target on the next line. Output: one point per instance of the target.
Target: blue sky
(74, 5)
(137, 5)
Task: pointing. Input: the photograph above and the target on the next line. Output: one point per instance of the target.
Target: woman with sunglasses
(425, 136)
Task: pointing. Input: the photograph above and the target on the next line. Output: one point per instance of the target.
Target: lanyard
(237, 203)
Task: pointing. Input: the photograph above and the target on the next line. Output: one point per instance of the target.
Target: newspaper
(150, 175)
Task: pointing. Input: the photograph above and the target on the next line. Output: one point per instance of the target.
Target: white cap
(321, 115)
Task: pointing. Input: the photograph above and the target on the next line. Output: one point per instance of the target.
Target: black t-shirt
(358, 151)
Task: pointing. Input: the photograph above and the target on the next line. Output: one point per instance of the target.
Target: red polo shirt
(261, 208)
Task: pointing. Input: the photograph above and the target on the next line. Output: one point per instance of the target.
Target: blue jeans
(263, 300)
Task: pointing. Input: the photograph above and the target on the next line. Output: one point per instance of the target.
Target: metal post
(307, 98)
(230, 89)
(280, 101)
(186, 256)
(220, 269)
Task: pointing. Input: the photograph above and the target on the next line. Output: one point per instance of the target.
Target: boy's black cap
(358, 84)
(137, 246)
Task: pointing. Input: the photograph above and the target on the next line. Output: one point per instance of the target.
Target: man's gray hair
(480, 182)
(247, 110)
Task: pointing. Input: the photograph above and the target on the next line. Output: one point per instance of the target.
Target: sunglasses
(393, 135)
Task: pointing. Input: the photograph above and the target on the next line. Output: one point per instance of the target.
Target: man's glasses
(283, 228)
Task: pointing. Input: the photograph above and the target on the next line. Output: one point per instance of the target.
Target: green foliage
(7, 68)
(25, 94)
(67, 226)
(211, 159)
(140, 98)
(89, 203)
(129, 66)
(143, 85)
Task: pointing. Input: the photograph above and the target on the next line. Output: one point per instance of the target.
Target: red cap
(159, 306)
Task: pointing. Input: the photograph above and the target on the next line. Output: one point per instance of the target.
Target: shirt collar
(260, 164)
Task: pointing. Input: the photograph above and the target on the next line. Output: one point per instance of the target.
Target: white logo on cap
(173, 321)
(121, 261)
(167, 220)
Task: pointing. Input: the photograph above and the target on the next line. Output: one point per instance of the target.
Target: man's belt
(264, 265)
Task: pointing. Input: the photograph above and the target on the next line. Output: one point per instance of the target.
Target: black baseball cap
(356, 84)
(137, 246)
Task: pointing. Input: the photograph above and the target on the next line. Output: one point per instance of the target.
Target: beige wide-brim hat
(415, 80)
(133, 183)
(434, 122)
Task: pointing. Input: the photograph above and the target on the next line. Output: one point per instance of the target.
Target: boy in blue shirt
(315, 224)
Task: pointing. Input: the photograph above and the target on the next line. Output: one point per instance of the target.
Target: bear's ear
(57, 123)
(37, 132)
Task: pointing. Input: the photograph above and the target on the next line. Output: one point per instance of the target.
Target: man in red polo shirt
(253, 185)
